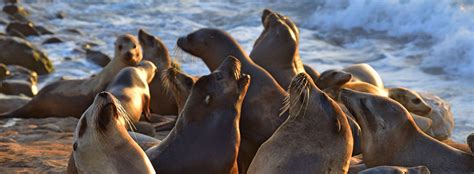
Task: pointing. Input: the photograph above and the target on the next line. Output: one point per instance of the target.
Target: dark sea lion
(311, 72)
(72, 97)
(101, 141)
(206, 137)
(391, 137)
(470, 142)
(162, 102)
(316, 137)
(130, 87)
(396, 170)
(276, 49)
(260, 110)
(180, 85)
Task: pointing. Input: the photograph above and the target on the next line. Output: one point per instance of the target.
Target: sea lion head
(411, 100)
(128, 50)
(100, 125)
(211, 45)
(333, 78)
(154, 50)
(226, 86)
(179, 83)
(383, 121)
(280, 35)
(149, 68)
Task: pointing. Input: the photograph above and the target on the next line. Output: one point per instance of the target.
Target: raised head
(333, 78)
(128, 50)
(411, 100)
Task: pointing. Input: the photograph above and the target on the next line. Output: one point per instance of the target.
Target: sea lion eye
(119, 47)
(74, 146)
(416, 101)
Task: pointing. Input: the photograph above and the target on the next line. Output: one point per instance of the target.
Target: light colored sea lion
(443, 121)
(260, 110)
(276, 49)
(162, 102)
(180, 85)
(334, 80)
(390, 137)
(75, 96)
(365, 73)
(396, 170)
(102, 143)
(316, 137)
(130, 87)
(206, 137)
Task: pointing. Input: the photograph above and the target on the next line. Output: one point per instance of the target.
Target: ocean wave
(448, 22)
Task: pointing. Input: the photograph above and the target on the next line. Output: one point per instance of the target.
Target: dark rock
(97, 57)
(73, 31)
(13, 9)
(11, 1)
(17, 72)
(4, 72)
(61, 15)
(26, 29)
(18, 87)
(42, 30)
(17, 51)
(52, 40)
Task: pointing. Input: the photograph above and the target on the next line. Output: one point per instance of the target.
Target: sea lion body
(162, 102)
(316, 137)
(276, 49)
(101, 142)
(365, 73)
(390, 137)
(206, 137)
(130, 87)
(75, 96)
(262, 104)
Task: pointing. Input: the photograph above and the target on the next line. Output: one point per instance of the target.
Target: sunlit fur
(179, 84)
(105, 145)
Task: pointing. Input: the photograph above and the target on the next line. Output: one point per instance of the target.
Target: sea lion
(18, 87)
(316, 137)
(311, 72)
(75, 96)
(206, 137)
(390, 137)
(162, 102)
(365, 73)
(396, 170)
(260, 110)
(460, 146)
(334, 80)
(443, 121)
(276, 49)
(130, 87)
(180, 85)
(101, 141)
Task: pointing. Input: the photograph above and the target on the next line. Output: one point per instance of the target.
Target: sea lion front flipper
(422, 122)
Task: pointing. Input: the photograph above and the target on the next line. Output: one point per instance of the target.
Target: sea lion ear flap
(145, 38)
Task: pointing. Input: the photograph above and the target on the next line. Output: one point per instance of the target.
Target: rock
(97, 57)
(26, 29)
(10, 103)
(4, 72)
(18, 87)
(52, 127)
(61, 15)
(17, 51)
(13, 9)
(73, 31)
(42, 30)
(21, 73)
(52, 40)
(10, 1)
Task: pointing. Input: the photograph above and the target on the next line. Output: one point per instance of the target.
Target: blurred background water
(427, 45)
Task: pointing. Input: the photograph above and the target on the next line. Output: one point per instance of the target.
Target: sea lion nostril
(103, 94)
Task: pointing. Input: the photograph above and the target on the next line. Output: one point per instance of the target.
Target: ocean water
(423, 45)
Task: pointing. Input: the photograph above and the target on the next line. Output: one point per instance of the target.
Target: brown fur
(391, 137)
(260, 110)
(316, 137)
(206, 137)
(162, 102)
(276, 49)
(72, 97)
